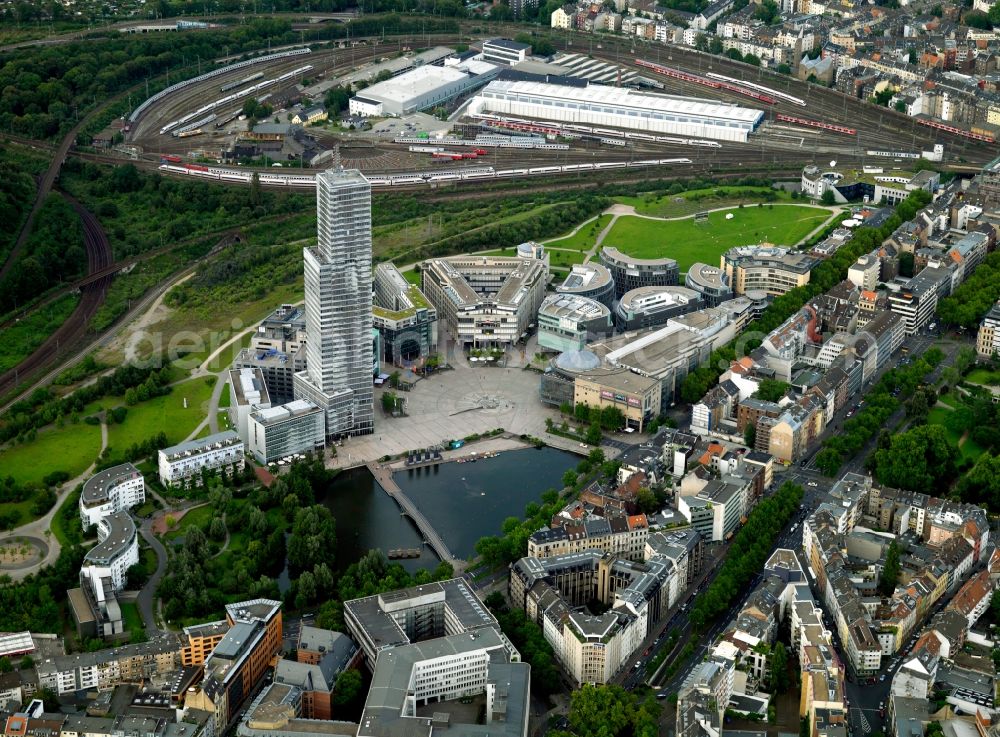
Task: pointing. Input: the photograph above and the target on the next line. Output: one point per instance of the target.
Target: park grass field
(688, 243)
(166, 413)
(564, 259)
(583, 240)
(969, 448)
(695, 200)
(983, 376)
(71, 448)
(197, 517)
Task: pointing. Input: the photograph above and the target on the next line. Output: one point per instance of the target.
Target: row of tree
(974, 297)
(43, 407)
(880, 404)
(750, 549)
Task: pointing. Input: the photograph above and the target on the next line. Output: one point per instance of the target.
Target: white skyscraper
(338, 301)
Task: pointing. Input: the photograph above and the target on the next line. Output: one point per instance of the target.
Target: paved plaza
(468, 398)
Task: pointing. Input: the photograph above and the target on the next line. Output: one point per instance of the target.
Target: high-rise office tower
(338, 290)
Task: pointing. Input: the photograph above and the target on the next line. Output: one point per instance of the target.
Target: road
(147, 596)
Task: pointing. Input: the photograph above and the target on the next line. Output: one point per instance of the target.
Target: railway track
(67, 335)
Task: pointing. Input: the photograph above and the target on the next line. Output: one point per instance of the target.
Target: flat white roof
(629, 99)
(413, 84)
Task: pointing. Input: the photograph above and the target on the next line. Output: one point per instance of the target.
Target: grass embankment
(20, 340)
(166, 413)
(688, 242)
(71, 448)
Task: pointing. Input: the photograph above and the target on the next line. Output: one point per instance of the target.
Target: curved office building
(648, 307)
(567, 322)
(590, 280)
(710, 282)
(772, 269)
(631, 273)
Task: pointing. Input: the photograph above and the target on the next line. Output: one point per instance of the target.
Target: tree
(922, 459)
(347, 693)
(715, 45)
(596, 456)
(779, 668)
(569, 478)
(890, 572)
(771, 390)
(599, 711)
(917, 408)
(26, 662)
(5, 665)
(750, 435)
(389, 402)
(594, 434)
(828, 198)
(313, 538)
(646, 501)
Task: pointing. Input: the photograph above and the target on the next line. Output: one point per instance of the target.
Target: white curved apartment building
(113, 490)
(116, 551)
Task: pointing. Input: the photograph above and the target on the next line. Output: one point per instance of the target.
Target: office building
(504, 51)
(279, 432)
(631, 273)
(238, 662)
(650, 307)
(591, 280)
(277, 350)
(486, 300)
(988, 337)
(405, 320)
(434, 643)
(185, 463)
(619, 107)
(916, 302)
(338, 284)
(567, 322)
(710, 282)
(556, 590)
(771, 269)
(112, 490)
(247, 393)
(384, 621)
(864, 272)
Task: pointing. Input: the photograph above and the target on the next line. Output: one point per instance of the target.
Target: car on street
(812, 483)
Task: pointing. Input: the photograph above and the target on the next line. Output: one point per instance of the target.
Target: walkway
(42, 527)
(146, 599)
(384, 477)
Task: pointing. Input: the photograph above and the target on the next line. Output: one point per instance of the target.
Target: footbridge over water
(384, 476)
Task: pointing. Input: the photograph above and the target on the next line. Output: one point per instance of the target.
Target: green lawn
(950, 399)
(130, 613)
(983, 376)
(689, 243)
(413, 276)
(199, 517)
(166, 413)
(226, 397)
(583, 239)
(565, 259)
(71, 448)
(697, 200)
(22, 338)
(969, 448)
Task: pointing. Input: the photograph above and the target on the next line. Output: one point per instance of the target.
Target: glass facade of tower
(338, 305)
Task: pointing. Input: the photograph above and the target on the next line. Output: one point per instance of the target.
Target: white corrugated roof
(626, 98)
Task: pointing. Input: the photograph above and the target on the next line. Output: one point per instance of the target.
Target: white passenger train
(410, 178)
